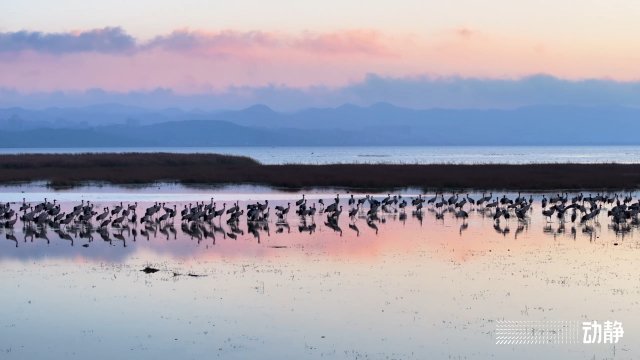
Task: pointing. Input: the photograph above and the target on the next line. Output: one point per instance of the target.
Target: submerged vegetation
(215, 169)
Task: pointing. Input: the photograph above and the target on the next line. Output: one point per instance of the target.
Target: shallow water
(394, 154)
(418, 287)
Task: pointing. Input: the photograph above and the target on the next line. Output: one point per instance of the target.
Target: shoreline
(196, 169)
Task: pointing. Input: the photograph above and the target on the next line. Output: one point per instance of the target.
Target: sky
(195, 48)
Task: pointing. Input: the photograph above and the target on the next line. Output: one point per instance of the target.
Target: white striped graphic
(524, 332)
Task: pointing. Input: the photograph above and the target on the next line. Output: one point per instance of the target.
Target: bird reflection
(560, 215)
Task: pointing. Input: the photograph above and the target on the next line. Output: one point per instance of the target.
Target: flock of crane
(202, 220)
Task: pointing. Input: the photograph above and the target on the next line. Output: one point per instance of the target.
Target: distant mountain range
(113, 125)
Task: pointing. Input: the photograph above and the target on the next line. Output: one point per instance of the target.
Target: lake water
(398, 154)
(400, 287)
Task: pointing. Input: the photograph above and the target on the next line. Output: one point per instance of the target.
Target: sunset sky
(197, 47)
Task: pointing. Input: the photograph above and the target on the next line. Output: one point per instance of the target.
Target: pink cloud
(191, 61)
(181, 40)
(117, 41)
(464, 32)
(349, 42)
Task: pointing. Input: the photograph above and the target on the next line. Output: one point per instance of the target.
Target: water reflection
(414, 278)
(113, 231)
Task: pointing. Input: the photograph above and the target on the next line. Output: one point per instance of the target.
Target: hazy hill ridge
(379, 124)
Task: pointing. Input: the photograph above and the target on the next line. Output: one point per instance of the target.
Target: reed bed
(215, 169)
